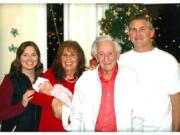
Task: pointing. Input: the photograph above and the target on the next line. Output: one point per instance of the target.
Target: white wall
(81, 24)
(30, 20)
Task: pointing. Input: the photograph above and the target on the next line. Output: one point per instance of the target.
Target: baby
(61, 93)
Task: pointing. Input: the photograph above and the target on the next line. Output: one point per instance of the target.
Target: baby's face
(45, 87)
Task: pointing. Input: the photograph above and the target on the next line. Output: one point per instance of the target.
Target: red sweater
(48, 121)
(7, 110)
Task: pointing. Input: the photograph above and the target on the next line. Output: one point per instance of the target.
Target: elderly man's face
(107, 56)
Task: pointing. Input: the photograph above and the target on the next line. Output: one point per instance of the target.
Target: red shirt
(48, 121)
(107, 119)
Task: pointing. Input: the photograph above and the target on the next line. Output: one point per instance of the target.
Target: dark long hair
(16, 64)
(57, 67)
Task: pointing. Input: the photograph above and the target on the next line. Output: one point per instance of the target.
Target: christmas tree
(116, 20)
(167, 25)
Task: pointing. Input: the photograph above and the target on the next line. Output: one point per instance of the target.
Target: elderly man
(103, 97)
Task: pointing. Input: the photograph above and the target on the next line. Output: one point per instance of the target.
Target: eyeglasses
(102, 54)
(71, 55)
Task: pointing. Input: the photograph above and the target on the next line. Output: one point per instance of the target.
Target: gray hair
(104, 38)
(142, 17)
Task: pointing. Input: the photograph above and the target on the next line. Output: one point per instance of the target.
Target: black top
(29, 119)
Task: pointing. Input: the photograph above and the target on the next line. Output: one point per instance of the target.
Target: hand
(57, 107)
(92, 63)
(27, 96)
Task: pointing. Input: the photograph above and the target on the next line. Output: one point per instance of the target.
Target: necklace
(71, 80)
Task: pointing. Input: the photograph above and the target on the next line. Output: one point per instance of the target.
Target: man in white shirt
(102, 99)
(158, 99)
